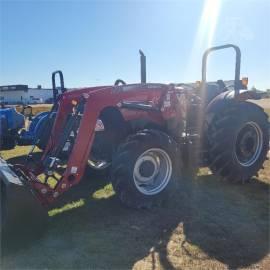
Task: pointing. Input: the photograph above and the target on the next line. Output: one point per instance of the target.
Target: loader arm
(92, 104)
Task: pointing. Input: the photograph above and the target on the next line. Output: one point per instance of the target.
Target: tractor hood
(14, 119)
(75, 92)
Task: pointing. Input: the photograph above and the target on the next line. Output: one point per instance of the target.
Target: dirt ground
(36, 108)
(206, 224)
(265, 103)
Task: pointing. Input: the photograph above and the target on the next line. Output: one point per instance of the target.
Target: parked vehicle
(148, 133)
(10, 123)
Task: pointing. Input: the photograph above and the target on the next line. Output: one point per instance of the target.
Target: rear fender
(221, 101)
(36, 120)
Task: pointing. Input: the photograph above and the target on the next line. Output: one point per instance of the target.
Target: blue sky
(96, 42)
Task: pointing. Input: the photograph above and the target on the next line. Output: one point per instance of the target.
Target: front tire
(100, 157)
(144, 169)
(238, 140)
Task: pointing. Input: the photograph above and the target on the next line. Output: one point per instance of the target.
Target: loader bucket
(22, 216)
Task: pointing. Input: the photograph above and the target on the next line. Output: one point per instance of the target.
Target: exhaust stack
(143, 66)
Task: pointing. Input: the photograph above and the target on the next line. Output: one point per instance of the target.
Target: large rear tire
(144, 169)
(238, 140)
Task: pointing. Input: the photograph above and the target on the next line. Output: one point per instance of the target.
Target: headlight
(99, 126)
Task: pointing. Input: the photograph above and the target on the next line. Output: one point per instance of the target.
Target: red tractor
(145, 135)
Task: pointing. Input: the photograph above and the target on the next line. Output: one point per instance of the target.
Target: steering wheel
(221, 84)
(186, 85)
(119, 81)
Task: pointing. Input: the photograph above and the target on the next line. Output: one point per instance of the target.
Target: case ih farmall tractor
(145, 135)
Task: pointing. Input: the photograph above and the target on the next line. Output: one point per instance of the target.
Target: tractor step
(22, 215)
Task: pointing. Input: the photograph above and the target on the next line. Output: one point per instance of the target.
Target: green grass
(206, 224)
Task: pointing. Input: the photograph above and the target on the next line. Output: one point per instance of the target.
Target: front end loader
(22, 215)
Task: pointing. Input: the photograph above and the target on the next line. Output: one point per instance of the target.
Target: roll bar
(237, 84)
(62, 86)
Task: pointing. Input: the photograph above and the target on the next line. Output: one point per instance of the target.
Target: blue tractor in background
(38, 131)
(10, 123)
(29, 136)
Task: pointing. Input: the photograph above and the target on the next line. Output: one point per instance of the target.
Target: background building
(22, 94)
